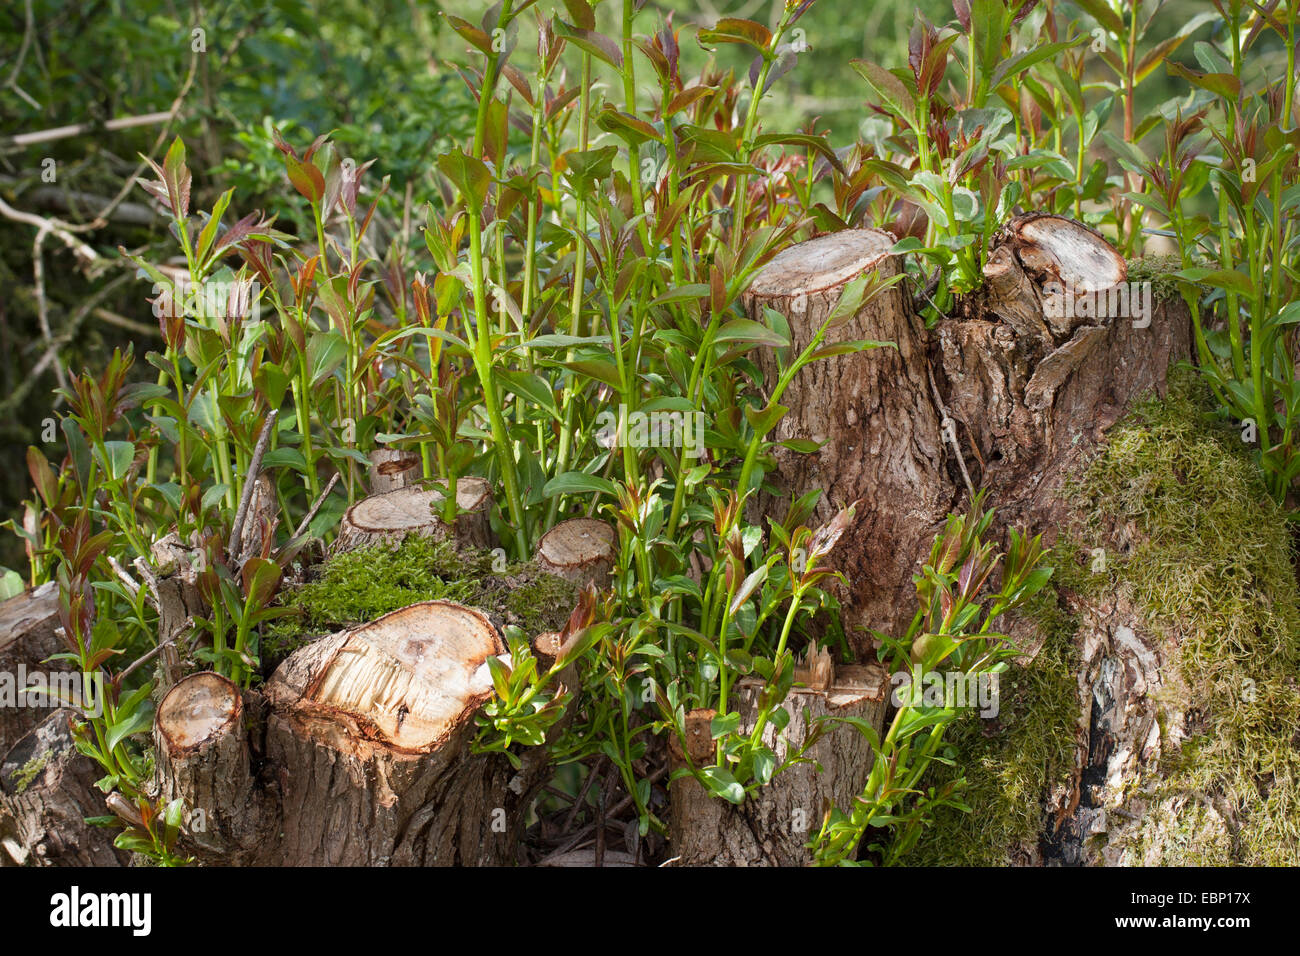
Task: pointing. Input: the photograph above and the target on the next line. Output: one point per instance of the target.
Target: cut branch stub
(409, 677)
(581, 550)
(1055, 348)
(369, 730)
(1064, 259)
(201, 751)
(872, 412)
(392, 469)
(389, 518)
(773, 827)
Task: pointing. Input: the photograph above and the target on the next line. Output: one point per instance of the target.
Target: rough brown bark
(773, 827)
(28, 636)
(388, 518)
(581, 550)
(47, 789)
(1027, 405)
(873, 410)
(1010, 394)
(174, 582)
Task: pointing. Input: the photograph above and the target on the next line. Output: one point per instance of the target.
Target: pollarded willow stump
(369, 731)
(29, 624)
(388, 518)
(872, 410)
(581, 550)
(47, 790)
(202, 757)
(1011, 394)
(774, 827)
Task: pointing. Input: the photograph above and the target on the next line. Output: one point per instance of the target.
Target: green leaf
(532, 387)
(325, 353)
(737, 30)
(747, 588)
(764, 420)
(721, 783)
(747, 330)
(138, 722)
(589, 41)
(888, 90)
(724, 724)
(1227, 279)
(468, 174)
(1224, 85)
(578, 483)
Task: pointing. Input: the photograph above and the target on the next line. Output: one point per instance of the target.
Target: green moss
(1208, 560)
(359, 586)
(23, 777)
(1013, 761)
(1211, 562)
(1158, 271)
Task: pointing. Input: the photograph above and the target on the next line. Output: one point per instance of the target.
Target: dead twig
(949, 429)
(250, 481)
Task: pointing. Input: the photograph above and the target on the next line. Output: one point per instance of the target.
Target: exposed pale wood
(773, 827)
(370, 732)
(201, 756)
(581, 550)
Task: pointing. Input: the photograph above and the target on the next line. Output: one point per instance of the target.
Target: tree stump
(369, 732)
(201, 754)
(388, 518)
(774, 827)
(874, 412)
(47, 789)
(1031, 384)
(392, 469)
(581, 550)
(29, 624)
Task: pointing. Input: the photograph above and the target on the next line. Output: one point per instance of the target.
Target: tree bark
(47, 789)
(202, 756)
(874, 412)
(773, 827)
(392, 469)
